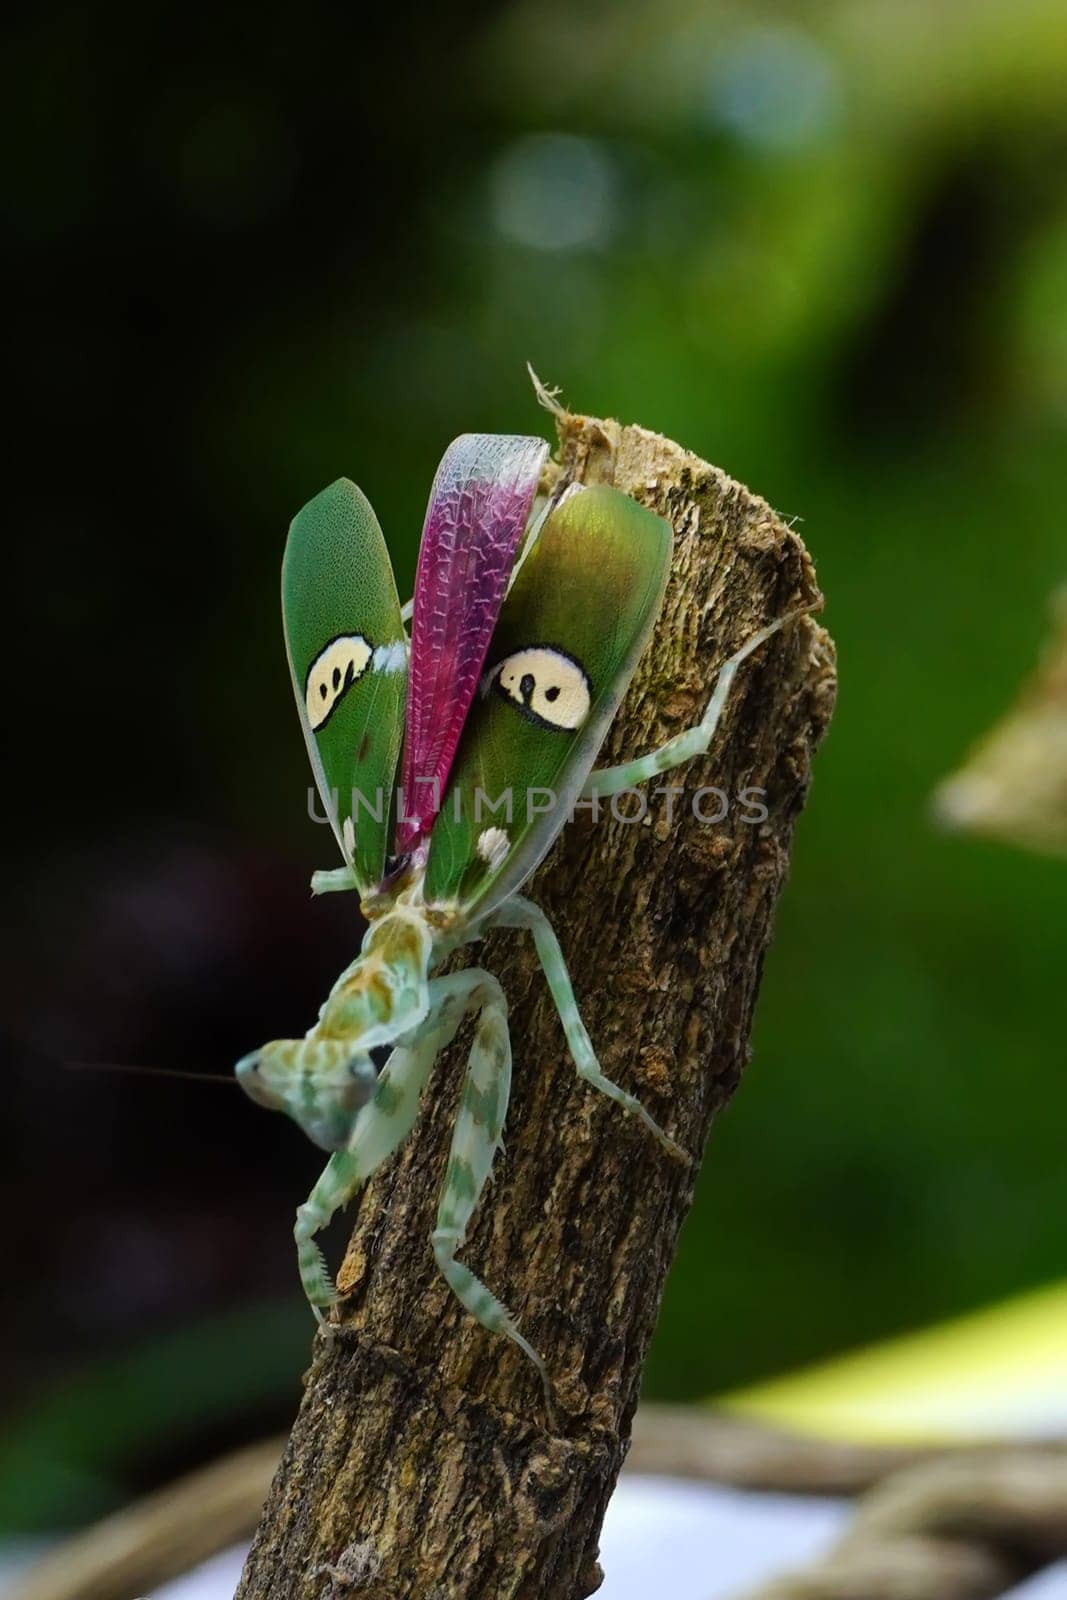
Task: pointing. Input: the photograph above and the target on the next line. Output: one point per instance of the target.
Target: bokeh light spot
(775, 88)
(555, 191)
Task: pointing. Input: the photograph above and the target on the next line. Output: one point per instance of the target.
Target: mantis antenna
(147, 1072)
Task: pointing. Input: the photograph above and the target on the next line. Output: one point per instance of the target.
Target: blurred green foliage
(825, 246)
(83, 1438)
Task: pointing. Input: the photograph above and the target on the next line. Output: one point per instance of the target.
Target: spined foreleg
(475, 1140)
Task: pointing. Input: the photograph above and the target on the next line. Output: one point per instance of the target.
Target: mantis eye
(363, 1075)
(546, 685)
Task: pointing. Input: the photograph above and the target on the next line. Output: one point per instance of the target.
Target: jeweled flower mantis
(525, 633)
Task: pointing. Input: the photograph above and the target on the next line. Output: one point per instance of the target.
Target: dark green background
(824, 245)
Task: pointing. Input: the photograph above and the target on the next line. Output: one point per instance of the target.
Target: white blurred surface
(690, 1540)
(1049, 1585)
(697, 1542)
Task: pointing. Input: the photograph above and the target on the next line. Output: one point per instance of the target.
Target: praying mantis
(525, 632)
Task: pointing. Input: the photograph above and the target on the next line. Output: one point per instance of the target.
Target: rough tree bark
(420, 1464)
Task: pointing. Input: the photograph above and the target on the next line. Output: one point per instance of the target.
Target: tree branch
(963, 1529)
(136, 1550)
(420, 1464)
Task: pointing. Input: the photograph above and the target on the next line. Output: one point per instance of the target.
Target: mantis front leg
(380, 1128)
(475, 1141)
(694, 741)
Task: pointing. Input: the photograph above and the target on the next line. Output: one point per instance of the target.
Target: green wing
(348, 656)
(571, 631)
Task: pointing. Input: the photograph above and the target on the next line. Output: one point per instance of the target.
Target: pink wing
(479, 505)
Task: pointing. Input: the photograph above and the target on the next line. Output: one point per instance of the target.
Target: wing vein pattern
(479, 506)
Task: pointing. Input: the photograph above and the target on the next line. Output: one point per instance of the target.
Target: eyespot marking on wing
(546, 685)
(334, 670)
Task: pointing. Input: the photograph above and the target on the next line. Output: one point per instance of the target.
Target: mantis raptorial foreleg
(520, 913)
(380, 1127)
(694, 741)
(479, 1125)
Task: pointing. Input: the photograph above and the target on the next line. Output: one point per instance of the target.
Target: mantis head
(321, 1083)
(324, 1080)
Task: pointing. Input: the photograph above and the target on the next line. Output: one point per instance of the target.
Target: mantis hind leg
(520, 913)
(380, 1128)
(475, 1140)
